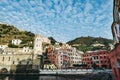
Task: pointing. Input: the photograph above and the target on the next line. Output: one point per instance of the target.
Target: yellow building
(49, 66)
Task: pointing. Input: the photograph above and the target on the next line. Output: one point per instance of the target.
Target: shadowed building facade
(10, 58)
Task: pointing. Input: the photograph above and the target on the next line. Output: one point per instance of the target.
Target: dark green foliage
(85, 43)
(7, 29)
(9, 32)
(95, 66)
(12, 46)
(60, 44)
(24, 41)
(29, 34)
(53, 41)
(80, 65)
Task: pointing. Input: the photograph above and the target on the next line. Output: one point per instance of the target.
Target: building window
(105, 61)
(115, 72)
(9, 59)
(19, 62)
(118, 63)
(91, 58)
(97, 57)
(104, 56)
(13, 62)
(3, 59)
(17, 59)
(97, 62)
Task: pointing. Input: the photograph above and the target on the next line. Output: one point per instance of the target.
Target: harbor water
(40, 78)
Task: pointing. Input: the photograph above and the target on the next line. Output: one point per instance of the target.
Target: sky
(64, 20)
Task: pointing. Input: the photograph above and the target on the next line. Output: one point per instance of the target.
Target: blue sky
(62, 19)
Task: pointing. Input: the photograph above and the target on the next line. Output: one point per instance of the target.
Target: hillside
(88, 43)
(9, 32)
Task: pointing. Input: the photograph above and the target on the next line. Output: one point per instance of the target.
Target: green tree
(94, 66)
(12, 46)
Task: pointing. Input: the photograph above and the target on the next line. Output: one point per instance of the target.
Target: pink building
(64, 56)
(60, 58)
(115, 61)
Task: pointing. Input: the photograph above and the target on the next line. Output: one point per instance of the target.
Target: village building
(10, 58)
(16, 41)
(99, 57)
(64, 56)
(3, 46)
(13, 56)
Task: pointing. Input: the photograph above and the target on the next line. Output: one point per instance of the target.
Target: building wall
(16, 41)
(75, 56)
(45, 40)
(12, 56)
(3, 46)
(64, 56)
(115, 62)
(100, 58)
(38, 44)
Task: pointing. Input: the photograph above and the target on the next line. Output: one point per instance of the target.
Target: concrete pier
(71, 71)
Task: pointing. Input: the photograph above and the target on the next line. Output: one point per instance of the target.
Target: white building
(60, 58)
(3, 46)
(16, 41)
(69, 55)
(75, 56)
(38, 44)
(63, 59)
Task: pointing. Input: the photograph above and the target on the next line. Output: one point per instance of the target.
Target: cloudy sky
(62, 19)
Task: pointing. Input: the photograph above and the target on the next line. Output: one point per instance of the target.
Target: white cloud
(88, 7)
(61, 19)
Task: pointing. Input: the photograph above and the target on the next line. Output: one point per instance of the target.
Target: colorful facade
(115, 61)
(100, 58)
(64, 56)
(59, 58)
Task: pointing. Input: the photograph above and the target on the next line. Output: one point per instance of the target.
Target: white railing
(72, 71)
